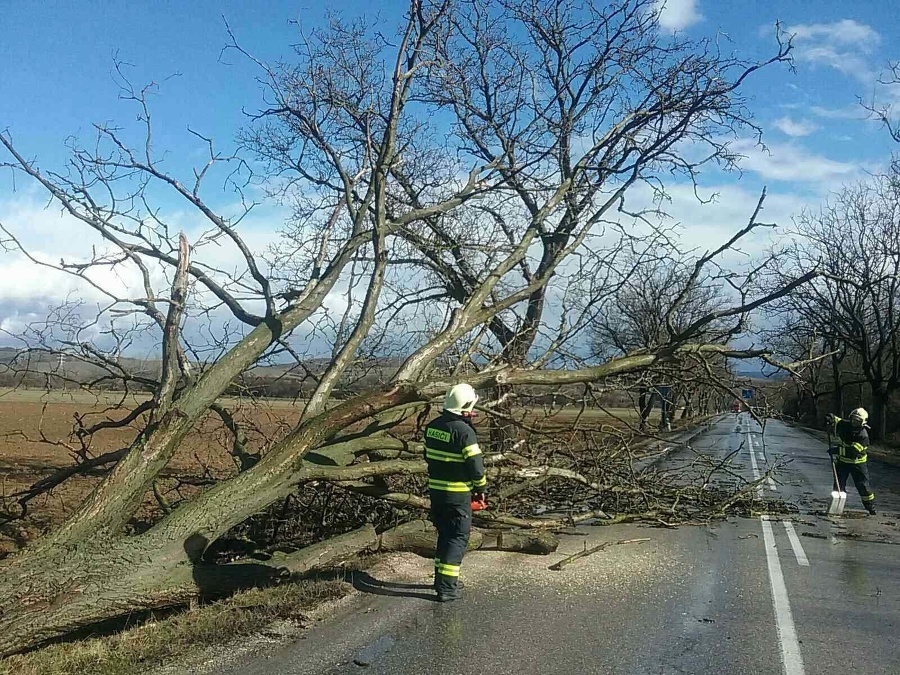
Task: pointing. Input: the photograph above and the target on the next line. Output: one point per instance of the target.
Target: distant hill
(757, 370)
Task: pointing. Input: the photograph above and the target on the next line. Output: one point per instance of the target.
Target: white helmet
(460, 399)
(860, 414)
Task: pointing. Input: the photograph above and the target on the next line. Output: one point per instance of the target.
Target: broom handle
(837, 483)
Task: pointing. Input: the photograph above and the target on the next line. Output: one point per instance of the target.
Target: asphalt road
(802, 595)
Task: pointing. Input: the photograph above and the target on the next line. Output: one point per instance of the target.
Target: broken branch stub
(590, 551)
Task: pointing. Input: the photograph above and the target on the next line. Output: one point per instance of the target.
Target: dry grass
(134, 651)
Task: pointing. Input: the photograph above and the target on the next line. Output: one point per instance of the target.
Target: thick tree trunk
(87, 572)
(503, 434)
(52, 590)
(50, 593)
(419, 536)
(814, 408)
(688, 410)
(645, 406)
(838, 406)
(48, 596)
(880, 399)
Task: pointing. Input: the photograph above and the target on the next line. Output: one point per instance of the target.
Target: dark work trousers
(860, 474)
(451, 513)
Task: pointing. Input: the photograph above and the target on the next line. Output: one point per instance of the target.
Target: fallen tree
(447, 248)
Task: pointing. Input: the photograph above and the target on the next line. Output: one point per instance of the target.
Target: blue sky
(56, 80)
(57, 56)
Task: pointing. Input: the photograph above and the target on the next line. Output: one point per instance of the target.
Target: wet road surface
(803, 595)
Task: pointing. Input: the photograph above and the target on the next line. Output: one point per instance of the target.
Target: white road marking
(759, 488)
(772, 485)
(755, 464)
(799, 553)
(760, 458)
(787, 633)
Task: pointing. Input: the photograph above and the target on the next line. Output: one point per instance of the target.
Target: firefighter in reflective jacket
(455, 477)
(851, 452)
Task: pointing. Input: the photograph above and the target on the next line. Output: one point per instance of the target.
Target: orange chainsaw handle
(479, 504)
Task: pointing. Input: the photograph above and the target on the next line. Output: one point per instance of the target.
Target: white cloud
(50, 235)
(850, 112)
(675, 15)
(845, 46)
(848, 63)
(727, 207)
(706, 226)
(28, 291)
(843, 32)
(795, 127)
(791, 163)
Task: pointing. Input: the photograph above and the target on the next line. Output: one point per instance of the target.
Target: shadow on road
(366, 583)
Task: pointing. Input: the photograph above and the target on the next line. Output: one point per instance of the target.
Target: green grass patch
(135, 650)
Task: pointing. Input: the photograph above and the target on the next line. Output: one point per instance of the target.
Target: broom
(838, 497)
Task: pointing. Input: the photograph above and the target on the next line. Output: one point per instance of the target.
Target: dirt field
(36, 438)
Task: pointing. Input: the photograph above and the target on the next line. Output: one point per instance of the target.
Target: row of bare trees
(849, 316)
(848, 320)
(459, 197)
(659, 299)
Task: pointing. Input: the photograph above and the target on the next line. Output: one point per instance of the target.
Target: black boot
(448, 592)
(871, 510)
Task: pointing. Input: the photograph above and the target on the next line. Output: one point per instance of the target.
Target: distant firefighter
(850, 454)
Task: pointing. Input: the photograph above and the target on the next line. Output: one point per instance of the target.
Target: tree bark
(419, 536)
(838, 407)
(645, 404)
(880, 399)
(503, 433)
(82, 585)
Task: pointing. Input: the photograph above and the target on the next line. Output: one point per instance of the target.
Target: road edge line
(799, 553)
(791, 658)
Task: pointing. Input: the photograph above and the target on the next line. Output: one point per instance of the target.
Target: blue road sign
(664, 391)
